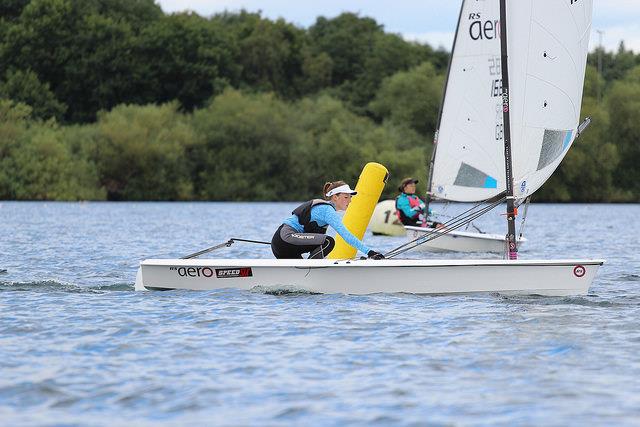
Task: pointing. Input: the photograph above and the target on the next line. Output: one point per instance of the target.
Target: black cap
(405, 182)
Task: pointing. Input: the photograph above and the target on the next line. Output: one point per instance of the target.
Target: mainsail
(548, 45)
(547, 51)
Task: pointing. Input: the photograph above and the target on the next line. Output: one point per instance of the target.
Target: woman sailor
(305, 230)
(410, 208)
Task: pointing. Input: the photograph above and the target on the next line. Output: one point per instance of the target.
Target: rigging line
(524, 216)
(260, 242)
(434, 235)
(440, 232)
(227, 244)
(454, 224)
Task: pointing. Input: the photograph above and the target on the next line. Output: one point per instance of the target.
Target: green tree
(348, 40)
(624, 110)
(11, 9)
(42, 40)
(82, 50)
(140, 153)
(186, 58)
(14, 120)
(43, 168)
(411, 98)
(389, 54)
(245, 149)
(614, 64)
(362, 55)
(37, 163)
(586, 174)
(137, 13)
(339, 143)
(317, 70)
(272, 56)
(25, 87)
(101, 78)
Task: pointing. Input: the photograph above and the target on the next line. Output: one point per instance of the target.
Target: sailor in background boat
(305, 230)
(410, 208)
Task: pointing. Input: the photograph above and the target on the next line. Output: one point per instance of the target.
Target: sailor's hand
(375, 255)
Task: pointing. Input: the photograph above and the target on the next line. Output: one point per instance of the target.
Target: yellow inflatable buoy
(356, 218)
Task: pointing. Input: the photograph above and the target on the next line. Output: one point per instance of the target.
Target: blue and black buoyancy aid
(303, 212)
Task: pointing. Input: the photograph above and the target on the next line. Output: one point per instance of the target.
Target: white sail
(547, 52)
(469, 157)
(547, 42)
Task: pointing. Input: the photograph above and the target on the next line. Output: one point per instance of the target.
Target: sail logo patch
(579, 271)
(227, 273)
(483, 29)
(523, 186)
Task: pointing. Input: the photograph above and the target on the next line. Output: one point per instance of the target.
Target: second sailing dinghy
(543, 47)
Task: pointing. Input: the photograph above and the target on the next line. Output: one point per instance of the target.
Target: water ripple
(79, 347)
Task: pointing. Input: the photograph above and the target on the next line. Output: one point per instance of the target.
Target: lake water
(79, 347)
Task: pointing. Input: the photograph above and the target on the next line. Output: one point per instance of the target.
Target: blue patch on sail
(554, 142)
(468, 176)
(567, 140)
(490, 182)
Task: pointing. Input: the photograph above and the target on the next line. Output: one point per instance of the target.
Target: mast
(435, 135)
(512, 246)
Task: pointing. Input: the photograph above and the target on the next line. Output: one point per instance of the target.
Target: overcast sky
(432, 21)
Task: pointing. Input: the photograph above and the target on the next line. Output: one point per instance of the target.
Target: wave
(55, 286)
(587, 301)
(282, 290)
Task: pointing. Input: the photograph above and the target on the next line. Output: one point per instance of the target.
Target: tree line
(116, 100)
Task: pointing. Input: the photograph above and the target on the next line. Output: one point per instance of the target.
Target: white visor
(342, 189)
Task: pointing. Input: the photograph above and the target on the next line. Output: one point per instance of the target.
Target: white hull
(460, 241)
(552, 278)
(384, 220)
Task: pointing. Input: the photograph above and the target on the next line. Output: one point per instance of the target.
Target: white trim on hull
(539, 277)
(459, 241)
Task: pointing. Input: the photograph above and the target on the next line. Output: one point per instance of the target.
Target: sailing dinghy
(544, 60)
(551, 278)
(458, 240)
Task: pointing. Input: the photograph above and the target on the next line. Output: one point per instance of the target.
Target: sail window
(554, 142)
(468, 176)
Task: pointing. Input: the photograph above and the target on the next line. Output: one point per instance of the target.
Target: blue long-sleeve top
(325, 215)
